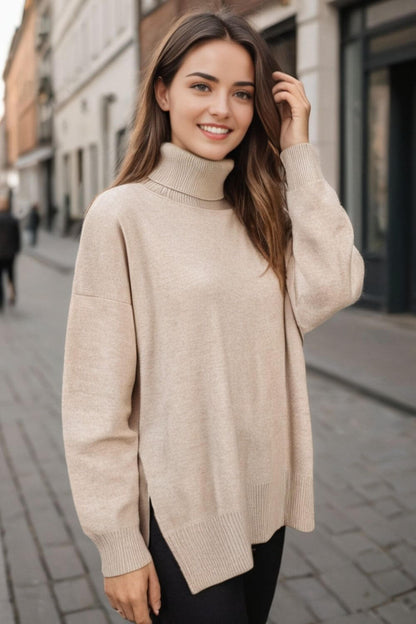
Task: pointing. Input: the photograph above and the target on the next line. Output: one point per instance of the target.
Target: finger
(141, 614)
(127, 611)
(154, 592)
(285, 96)
(292, 88)
(293, 101)
(294, 83)
(282, 75)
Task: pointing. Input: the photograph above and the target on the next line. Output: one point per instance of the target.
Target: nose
(219, 105)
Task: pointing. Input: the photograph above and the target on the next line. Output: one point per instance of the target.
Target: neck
(187, 173)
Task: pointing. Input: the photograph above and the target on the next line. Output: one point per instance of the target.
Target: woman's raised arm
(325, 271)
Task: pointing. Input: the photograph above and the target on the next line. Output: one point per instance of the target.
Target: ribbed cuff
(121, 551)
(302, 165)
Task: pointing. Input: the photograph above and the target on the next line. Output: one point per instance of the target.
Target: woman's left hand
(294, 108)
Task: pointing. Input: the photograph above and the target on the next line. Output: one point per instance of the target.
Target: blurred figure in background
(9, 248)
(33, 224)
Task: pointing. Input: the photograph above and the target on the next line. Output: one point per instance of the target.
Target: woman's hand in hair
(294, 108)
(133, 593)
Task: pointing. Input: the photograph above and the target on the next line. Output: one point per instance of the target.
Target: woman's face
(211, 99)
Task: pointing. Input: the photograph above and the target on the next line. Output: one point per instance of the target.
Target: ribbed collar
(184, 172)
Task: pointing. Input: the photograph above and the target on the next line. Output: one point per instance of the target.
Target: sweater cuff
(121, 551)
(302, 165)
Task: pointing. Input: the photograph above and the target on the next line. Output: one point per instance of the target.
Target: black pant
(242, 599)
(6, 265)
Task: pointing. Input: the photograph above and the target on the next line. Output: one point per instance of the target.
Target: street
(357, 567)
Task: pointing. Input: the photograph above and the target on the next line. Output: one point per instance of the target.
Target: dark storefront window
(378, 87)
(282, 41)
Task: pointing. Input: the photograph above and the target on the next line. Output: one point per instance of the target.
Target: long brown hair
(256, 186)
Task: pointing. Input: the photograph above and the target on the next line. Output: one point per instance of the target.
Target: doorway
(390, 188)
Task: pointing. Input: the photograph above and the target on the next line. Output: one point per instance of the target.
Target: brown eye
(200, 87)
(244, 95)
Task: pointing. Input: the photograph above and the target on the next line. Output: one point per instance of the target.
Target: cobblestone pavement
(357, 567)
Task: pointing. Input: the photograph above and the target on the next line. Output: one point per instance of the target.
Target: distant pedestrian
(33, 224)
(9, 248)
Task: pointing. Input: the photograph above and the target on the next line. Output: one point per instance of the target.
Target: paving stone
(406, 555)
(22, 554)
(335, 521)
(360, 618)
(36, 605)
(393, 582)
(388, 507)
(10, 503)
(289, 609)
(34, 490)
(5, 604)
(39, 436)
(374, 561)
(396, 614)
(319, 551)
(293, 564)
(381, 531)
(309, 588)
(49, 526)
(409, 501)
(57, 476)
(63, 562)
(19, 453)
(403, 482)
(352, 588)
(93, 616)
(73, 595)
(375, 491)
(326, 607)
(409, 599)
(405, 526)
(353, 544)
(7, 616)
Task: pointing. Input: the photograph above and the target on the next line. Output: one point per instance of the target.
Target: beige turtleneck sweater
(184, 375)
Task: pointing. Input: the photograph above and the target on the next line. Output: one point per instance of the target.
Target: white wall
(94, 56)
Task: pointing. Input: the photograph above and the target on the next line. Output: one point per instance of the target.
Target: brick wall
(21, 91)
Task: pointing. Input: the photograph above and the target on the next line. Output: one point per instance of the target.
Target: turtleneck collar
(184, 172)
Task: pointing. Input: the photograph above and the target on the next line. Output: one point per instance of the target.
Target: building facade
(95, 70)
(20, 77)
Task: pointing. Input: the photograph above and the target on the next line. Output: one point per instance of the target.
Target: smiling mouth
(218, 131)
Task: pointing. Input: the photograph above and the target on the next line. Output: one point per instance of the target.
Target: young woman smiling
(185, 409)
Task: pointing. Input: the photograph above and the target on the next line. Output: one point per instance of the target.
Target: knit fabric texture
(184, 375)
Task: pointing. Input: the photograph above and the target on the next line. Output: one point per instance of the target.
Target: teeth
(215, 130)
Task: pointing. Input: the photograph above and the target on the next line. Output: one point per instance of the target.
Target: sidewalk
(372, 352)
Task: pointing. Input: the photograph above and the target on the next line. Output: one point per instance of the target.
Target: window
(281, 38)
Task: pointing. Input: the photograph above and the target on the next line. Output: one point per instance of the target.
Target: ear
(162, 94)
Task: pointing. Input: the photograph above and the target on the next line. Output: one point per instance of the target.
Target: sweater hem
(219, 547)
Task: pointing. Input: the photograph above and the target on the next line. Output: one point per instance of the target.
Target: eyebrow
(240, 83)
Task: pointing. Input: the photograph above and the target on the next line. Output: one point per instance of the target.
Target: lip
(211, 135)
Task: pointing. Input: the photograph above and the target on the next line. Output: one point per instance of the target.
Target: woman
(185, 408)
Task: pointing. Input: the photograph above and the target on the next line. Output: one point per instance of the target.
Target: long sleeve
(325, 271)
(100, 428)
